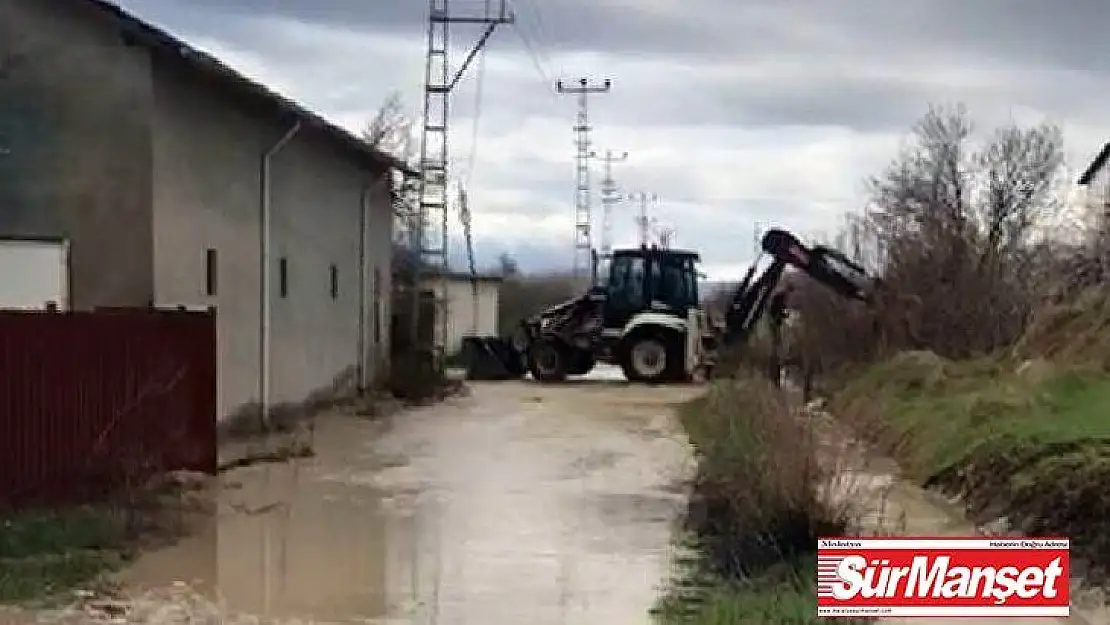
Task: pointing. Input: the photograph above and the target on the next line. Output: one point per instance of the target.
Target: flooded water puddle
(514, 505)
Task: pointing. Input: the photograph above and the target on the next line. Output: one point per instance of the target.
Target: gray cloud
(1012, 31)
(926, 39)
(726, 105)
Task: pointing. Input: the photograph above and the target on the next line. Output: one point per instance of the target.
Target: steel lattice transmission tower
(583, 201)
(666, 237)
(644, 220)
(430, 232)
(610, 195)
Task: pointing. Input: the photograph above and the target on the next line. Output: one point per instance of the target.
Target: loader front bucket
(491, 358)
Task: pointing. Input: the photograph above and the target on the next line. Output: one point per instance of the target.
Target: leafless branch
(949, 230)
(390, 130)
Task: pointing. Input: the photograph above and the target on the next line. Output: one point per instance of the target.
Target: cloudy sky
(734, 112)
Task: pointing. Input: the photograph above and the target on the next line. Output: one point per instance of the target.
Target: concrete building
(467, 313)
(171, 177)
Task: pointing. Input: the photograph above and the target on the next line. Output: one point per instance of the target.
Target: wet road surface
(518, 504)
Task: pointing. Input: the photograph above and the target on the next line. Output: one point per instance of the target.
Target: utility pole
(430, 236)
(609, 197)
(666, 237)
(583, 244)
(643, 220)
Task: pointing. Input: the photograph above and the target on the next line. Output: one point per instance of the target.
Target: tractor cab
(649, 279)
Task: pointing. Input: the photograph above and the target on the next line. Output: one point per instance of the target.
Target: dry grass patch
(761, 499)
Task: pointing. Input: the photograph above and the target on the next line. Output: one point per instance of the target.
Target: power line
(535, 43)
(763, 199)
(542, 34)
(464, 215)
(583, 201)
(479, 81)
(540, 22)
(533, 55)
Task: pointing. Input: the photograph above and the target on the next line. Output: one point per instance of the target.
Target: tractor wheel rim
(649, 358)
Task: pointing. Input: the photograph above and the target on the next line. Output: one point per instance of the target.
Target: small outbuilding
(468, 306)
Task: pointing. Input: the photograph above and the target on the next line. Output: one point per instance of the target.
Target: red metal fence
(92, 402)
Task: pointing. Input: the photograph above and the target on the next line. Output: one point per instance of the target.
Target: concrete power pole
(609, 197)
(583, 202)
(430, 236)
(644, 221)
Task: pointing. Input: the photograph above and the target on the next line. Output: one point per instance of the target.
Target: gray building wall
(144, 166)
(75, 133)
(208, 151)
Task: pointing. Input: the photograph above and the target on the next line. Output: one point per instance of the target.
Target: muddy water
(520, 503)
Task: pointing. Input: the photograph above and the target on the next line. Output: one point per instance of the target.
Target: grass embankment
(45, 555)
(756, 511)
(1025, 435)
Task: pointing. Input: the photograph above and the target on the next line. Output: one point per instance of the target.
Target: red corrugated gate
(92, 402)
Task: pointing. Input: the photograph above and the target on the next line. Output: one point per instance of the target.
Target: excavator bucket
(822, 263)
(491, 358)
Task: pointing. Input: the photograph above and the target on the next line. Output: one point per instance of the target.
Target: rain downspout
(264, 328)
(363, 226)
(367, 304)
(363, 309)
(264, 266)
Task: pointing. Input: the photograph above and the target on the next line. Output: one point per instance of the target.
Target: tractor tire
(581, 362)
(519, 346)
(547, 360)
(653, 358)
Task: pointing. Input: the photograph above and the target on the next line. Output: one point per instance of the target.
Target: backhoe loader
(645, 315)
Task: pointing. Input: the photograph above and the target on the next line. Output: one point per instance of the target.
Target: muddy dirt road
(520, 503)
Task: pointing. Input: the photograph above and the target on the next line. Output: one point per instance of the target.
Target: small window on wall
(211, 272)
(283, 277)
(334, 277)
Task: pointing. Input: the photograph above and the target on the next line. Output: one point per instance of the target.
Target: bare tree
(1018, 167)
(391, 131)
(949, 230)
